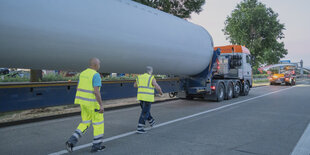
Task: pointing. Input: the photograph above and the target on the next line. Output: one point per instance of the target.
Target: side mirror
(252, 59)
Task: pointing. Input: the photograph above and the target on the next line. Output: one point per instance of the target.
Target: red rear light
(212, 87)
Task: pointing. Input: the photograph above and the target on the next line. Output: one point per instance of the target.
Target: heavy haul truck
(126, 36)
(229, 75)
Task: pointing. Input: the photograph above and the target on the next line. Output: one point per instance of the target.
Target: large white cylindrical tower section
(124, 35)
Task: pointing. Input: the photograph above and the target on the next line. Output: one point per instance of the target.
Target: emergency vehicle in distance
(285, 76)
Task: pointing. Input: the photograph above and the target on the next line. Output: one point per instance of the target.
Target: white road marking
(303, 145)
(170, 122)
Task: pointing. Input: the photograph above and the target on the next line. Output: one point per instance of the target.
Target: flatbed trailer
(30, 95)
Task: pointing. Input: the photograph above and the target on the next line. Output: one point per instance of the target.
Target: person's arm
(136, 84)
(157, 87)
(98, 98)
(97, 85)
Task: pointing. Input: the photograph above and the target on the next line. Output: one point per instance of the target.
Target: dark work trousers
(145, 113)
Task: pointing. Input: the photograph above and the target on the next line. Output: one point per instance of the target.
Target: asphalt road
(270, 120)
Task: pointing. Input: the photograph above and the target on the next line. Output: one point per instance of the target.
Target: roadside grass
(261, 80)
(13, 79)
(256, 76)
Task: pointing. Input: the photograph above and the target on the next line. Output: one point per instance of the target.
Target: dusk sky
(294, 14)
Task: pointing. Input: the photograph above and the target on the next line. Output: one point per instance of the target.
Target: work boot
(152, 123)
(140, 128)
(69, 146)
(97, 147)
(140, 131)
(71, 143)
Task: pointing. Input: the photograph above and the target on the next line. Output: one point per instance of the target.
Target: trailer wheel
(220, 92)
(230, 91)
(237, 90)
(173, 94)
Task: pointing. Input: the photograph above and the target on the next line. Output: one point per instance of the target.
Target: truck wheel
(246, 89)
(220, 92)
(271, 83)
(230, 91)
(237, 90)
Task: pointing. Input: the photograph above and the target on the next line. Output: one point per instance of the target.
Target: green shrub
(62, 77)
(260, 76)
(261, 81)
(4, 78)
(59, 77)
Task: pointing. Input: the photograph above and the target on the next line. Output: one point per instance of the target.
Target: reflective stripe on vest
(85, 90)
(145, 88)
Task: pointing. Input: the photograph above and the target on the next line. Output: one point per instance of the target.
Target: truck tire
(230, 91)
(220, 92)
(237, 89)
(246, 89)
(290, 83)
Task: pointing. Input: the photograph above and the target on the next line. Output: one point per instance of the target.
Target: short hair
(149, 69)
(93, 61)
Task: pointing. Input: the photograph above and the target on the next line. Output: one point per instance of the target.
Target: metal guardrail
(306, 76)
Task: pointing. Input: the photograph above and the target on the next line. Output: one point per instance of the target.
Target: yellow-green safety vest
(145, 87)
(85, 91)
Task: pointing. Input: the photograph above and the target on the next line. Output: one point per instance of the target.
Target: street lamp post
(301, 68)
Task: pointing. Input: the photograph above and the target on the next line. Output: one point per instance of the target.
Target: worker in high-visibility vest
(89, 98)
(146, 84)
